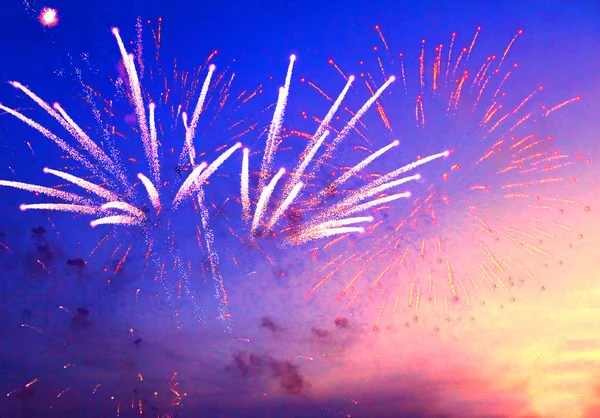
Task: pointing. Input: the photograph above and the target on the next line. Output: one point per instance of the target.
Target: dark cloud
(294, 216)
(289, 377)
(180, 170)
(251, 365)
(319, 333)
(332, 342)
(246, 365)
(26, 314)
(40, 259)
(279, 273)
(83, 311)
(269, 324)
(76, 262)
(81, 318)
(24, 393)
(45, 252)
(261, 232)
(38, 232)
(295, 220)
(341, 322)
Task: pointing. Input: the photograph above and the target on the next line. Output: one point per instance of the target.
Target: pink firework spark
(48, 17)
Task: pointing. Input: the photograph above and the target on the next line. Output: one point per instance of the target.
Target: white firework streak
(373, 203)
(306, 161)
(62, 207)
(74, 154)
(265, 196)
(245, 186)
(63, 118)
(324, 233)
(90, 146)
(286, 203)
(151, 190)
(214, 166)
(335, 227)
(185, 188)
(100, 191)
(350, 125)
(191, 129)
(126, 207)
(66, 196)
(377, 186)
(341, 222)
(115, 220)
(140, 111)
(368, 191)
(275, 128)
(321, 134)
(358, 167)
(213, 258)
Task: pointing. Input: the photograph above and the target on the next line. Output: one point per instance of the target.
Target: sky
(474, 297)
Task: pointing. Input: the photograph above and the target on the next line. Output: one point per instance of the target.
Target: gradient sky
(536, 357)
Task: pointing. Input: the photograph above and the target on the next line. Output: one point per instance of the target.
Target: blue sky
(272, 320)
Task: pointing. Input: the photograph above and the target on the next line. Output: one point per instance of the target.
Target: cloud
(268, 323)
(76, 262)
(252, 365)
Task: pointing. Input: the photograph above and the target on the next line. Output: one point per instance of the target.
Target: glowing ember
(48, 17)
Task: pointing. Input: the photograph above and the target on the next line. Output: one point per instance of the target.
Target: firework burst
(112, 196)
(48, 17)
(493, 218)
(99, 184)
(493, 199)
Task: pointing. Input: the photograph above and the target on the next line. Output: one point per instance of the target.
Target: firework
(48, 17)
(492, 219)
(109, 194)
(113, 197)
(410, 254)
(318, 224)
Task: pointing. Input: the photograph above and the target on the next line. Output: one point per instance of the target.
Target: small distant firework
(48, 17)
(493, 218)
